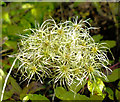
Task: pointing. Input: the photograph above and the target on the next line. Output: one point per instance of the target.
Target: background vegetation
(17, 16)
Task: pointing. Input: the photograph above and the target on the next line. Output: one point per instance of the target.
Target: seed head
(64, 52)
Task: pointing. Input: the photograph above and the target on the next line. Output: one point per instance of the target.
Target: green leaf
(27, 6)
(110, 93)
(97, 38)
(35, 97)
(114, 8)
(111, 43)
(2, 73)
(119, 85)
(25, 99)
(1, 77)
(32, 88)
(6, 17)
(96, 97)
(96, 87)
(118, 92)
(59, 91)
(114, 76)
(62, 94)
(16, 88)
(11, 43)
(14, 30)
(8, 94)
(75, 87)
(24, 23)
(34, 12)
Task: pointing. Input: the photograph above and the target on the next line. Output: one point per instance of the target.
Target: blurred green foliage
(19, 16)
(35, 97)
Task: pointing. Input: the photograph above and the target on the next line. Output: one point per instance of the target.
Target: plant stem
(7, 79)
(115, 66)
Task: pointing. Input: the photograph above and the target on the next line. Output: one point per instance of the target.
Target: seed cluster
(64, 52)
